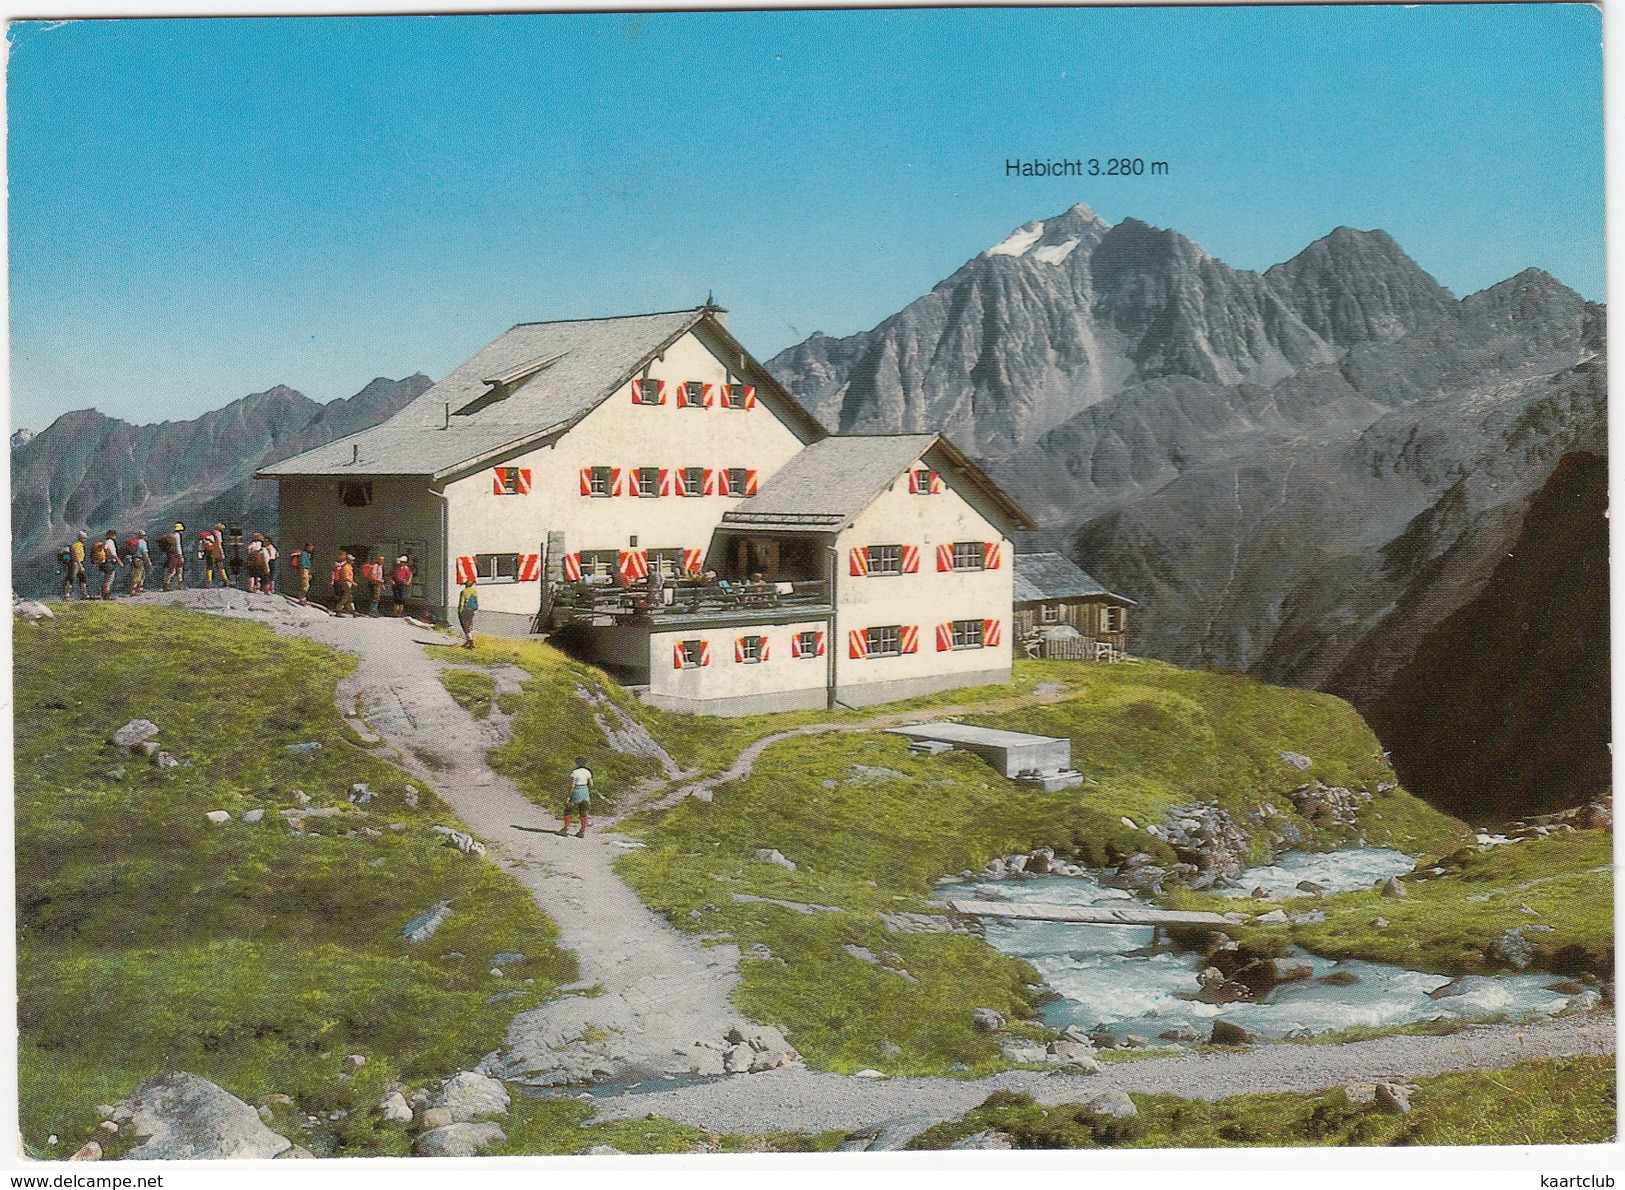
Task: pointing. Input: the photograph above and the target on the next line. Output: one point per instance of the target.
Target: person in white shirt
(580, 801)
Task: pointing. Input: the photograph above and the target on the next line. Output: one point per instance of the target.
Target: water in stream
(1114, 978)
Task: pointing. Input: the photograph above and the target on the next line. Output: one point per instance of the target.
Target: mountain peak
(1353, 286)
(1052, 240)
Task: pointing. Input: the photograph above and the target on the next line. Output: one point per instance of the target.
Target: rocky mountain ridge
(1299, 473)
(89, 471)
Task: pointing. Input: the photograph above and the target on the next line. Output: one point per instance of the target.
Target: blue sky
(200, 209)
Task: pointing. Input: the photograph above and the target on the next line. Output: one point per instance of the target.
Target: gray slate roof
(554, 374)
(829, 482)
(1055, 576)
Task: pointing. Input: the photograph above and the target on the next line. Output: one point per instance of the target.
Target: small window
(738, 481)
(968, 634)
(1111, 619)
(886, 641)
(646, 481)
(969, 555)
(693, 481)
(646, 391)
(355, 493)
(692, 652)
(497, 568)
(924, 482)
(695, 390)
(1049, 613)
(806, 644)
(599, 564)
(602, 480)
(733, 396)
(885, 559)
(507, 480)
(750, 649)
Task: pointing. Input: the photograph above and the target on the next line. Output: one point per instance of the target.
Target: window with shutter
(969, 555)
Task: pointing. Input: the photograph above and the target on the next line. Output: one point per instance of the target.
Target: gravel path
(800, 1100)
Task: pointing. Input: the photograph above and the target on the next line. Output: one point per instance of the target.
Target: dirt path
(654, 1000)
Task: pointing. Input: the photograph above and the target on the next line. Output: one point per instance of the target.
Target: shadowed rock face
(88, 471)
(1300, 473)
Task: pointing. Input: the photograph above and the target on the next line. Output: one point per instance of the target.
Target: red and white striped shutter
(990, 555)
(499, 485)
(680, 481)
(682, 396)
(692, 560)
(739, 648)
(660, 391)
(572, 568)
(705, 652)
(586, 481)
(710, 482)
(750, 483)
(632, 488)
(614, 481)
(665, 481)
(795, 644)
(945, 558)
(524, 481)
(857, 643)
(911, 559)
(677, 655)
(750, 396)
(766, 652)
(911, 638)
(945, 638)
(936, 484)
(913, 483)
(530, 568)
(637, 391)
(820, 644)
(710, 395)
(633, 565)
(465, 569)
(990, 633)
(859, 561)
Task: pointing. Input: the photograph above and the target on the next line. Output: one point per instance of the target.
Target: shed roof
(830, 482)
(534, 381)
(1055, 576)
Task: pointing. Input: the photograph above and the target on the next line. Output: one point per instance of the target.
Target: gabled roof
(831, 481)
(1055, 576)
(532, 383)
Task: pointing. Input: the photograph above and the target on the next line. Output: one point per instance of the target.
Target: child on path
(467, 604)
(580, 800)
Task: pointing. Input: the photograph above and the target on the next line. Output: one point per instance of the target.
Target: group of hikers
(251, 565)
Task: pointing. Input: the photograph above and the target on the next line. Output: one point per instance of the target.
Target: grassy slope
(151, 940)
(1450, 924)
(1152, 737)
(1548, 1101)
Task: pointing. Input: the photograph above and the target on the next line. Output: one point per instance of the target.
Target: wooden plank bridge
(1093, 915)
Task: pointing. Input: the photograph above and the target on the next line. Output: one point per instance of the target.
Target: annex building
(644, 491)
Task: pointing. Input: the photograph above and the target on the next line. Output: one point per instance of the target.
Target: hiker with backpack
(104, 555)
(173, 546)
(303, 559)
(140, 558)
(259, 573)
(399, 581)
(373, 574)
(270, 564)
(344, 586)
(212, 553)
(579, 803)
(72, 557)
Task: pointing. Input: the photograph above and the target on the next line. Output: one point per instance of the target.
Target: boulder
(33, 611)
(985, 1020)
(1394, 1098)
(1024, 1051)
(1313, 888)
(1392, 887)
(470, 1097)
(987, 1138)
(308, 748)
(293, 1152)
(1229, 1033)
(1340, 979)
(1297, 760)
(1224, 991)
(1584, 1001)
(1512, 948)
(458, 1140)
(886, 1137)
(218, 816)
(435, 1117)
(1041, 861)
(1464, 985)
(604, 1151)
(1273, 916)
(180, 1116)
(1567, 987)
(1360, 1094)
(165, 761)
(464, 842)
(737, 1060)
(135, 733)
(1112, 1103)
(394, 1108)
(423, 926)
(252, 816)
(89, 1151)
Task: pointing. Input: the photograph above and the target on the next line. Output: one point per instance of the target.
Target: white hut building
(589, 473)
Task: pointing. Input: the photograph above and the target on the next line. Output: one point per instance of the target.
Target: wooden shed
(1053, 594)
